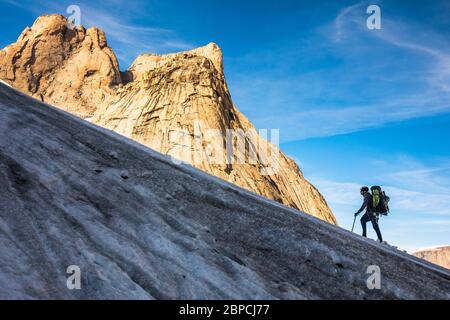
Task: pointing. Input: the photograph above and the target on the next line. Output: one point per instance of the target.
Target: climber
(370, 214)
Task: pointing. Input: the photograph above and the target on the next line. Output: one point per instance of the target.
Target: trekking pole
(354, 221)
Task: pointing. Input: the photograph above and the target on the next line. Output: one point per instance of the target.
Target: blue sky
(354, 106)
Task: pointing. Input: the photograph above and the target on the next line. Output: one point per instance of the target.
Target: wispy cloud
(342, 19)
(399, 73)
(431, 179)
(424, 202)
(328, 121)
(434, 222)
(413, 40)
(339, 193)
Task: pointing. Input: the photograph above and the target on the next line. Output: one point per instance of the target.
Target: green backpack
(380, 201)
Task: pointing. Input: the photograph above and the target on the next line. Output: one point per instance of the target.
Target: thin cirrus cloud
(409, 37)
(342, 19)
(431, 179)
(322, 122)
(128, 38)
(356, 94)
(431, 47)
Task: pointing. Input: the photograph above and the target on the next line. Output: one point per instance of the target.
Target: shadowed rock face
(140, 226)
(161, 101)
(437, 255)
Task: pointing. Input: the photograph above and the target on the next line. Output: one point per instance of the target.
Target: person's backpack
(380, 201)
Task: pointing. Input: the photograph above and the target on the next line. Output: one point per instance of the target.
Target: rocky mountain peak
(60, 65)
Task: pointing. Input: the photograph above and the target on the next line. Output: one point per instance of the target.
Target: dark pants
(374, 218)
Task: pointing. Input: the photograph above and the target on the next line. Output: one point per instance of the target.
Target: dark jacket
(366, 204)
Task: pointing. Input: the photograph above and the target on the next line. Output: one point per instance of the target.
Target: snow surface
(142, 227)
